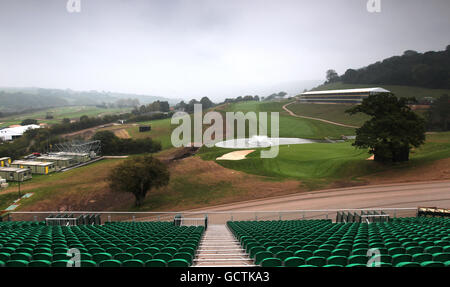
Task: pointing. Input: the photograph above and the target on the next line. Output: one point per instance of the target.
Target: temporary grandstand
(174, 240)
(348, 96)
(15, 174)
(36, 167)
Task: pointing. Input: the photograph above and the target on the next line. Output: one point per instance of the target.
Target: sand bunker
(235, 155)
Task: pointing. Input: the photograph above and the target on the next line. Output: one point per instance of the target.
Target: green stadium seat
(163, 255)
(422, 257)
(5, 257)
(169, 250)
(16, 263)
(60, 256)
(133, 250)
(432, 249)
(21, 256)
(144, 257)
(275, 249)
(333, 265)
(133, 263)
(156, 263)
(293, 262)
(39, 263)
(177, 263)
(271, 262)
(358, 259)
(184, 255)
(43, 256)
(356, 265)
(316, 261)
(303, 254)
(441, 257)
(123, 257)
(337, 260)
(408, 264)
(99, 257)
(399, 258)
(255, 250)
(88, 263)
(113, 250)
(414, 250)
(2, 264)
(60, 263)
(432, 264)
(359, 251)
(284, 254)
(322, 253)
(110, 263)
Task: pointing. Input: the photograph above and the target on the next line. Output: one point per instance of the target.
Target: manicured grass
(161, 130)
(320, 161)
(291, 126)
(399, 91)
(334, 112)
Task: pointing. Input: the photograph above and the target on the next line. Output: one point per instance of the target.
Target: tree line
(430, 69)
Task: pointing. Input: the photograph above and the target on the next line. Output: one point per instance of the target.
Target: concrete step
(219, 247)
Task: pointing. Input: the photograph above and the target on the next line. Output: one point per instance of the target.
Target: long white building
(348, 96)
(9, 134)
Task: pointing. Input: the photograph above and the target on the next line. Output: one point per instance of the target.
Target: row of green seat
(104, 263)
(401, 241)
(119, 241)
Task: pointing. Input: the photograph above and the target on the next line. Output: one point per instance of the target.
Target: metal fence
(214, 217)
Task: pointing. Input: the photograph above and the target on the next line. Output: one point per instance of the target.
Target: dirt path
(404, 195)
(316, 119)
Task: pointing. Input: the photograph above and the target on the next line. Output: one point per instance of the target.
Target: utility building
(59, 161)
(5, 161)
(36, 167)
(79, 157)
(349, 96)
(15, 174)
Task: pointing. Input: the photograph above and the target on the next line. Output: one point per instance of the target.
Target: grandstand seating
(127, 244)
(401, 242)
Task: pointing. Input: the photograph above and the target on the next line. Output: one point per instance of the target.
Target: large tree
(392, 130)
(439, 114)
(138, 176)
(331, 76)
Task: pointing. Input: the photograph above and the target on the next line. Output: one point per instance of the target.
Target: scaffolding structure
(88, 147)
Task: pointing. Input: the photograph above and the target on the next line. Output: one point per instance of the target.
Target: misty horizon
(220, 49)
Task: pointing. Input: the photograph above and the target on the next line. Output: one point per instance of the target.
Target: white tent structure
(9, 134)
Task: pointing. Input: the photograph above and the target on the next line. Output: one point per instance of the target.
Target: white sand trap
(262, 142)
(236, 155)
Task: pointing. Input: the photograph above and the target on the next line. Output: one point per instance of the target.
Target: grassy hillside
(335, 113)
(399, 91)
(72, 112)
(292, 126)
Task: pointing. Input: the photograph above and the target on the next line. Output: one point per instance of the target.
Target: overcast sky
(215, 48)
